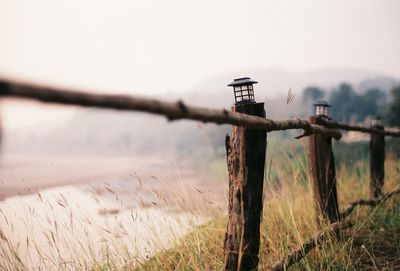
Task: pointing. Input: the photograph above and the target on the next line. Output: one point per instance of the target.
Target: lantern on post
(322, 108)
(245, 149)
(243, 90)
(376, 121)
(322, 168)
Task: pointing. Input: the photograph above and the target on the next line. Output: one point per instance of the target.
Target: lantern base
(245, 102)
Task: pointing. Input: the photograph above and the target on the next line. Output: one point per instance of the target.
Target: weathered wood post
(377, 159)
(322, 169)
(246, 159)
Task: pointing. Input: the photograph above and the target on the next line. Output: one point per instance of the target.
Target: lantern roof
(322, 103)
(242, 81)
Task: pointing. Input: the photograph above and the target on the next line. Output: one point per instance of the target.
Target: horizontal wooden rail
(335, 125)
(172, 110)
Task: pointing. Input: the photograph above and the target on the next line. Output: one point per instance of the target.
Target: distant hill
(110, 132)
(276, 82)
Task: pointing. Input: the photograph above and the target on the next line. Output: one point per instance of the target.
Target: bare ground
(376, 245)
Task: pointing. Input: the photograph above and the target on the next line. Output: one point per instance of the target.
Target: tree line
(348, 105)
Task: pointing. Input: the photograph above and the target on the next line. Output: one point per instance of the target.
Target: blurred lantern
(321, 108)
(243, 90)
(376, 121)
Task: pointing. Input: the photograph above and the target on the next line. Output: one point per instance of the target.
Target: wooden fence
(246, 150)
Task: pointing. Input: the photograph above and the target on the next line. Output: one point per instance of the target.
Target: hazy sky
(153, 46)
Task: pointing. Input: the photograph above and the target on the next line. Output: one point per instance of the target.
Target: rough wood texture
(377, 163)
(246, 160)
(323, 176)
(371, 130)
(172, 110)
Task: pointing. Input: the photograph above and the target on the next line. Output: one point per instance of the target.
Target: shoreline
(28, 174)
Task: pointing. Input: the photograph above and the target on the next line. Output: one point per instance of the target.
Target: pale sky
(150, 47)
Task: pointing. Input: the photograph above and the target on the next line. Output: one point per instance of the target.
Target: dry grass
(288, 220)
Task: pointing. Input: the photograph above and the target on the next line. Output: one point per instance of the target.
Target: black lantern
(376, 121)
(243, 90)
(321, 108)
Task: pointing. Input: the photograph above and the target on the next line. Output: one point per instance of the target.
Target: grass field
(288, 220)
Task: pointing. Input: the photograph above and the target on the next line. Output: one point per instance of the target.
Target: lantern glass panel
(321, 110)
(375, 121)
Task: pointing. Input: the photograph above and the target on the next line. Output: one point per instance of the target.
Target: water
(117, 219)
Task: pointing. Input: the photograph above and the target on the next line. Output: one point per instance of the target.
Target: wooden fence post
(323, 175)
(377, 162)
(246, 160)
